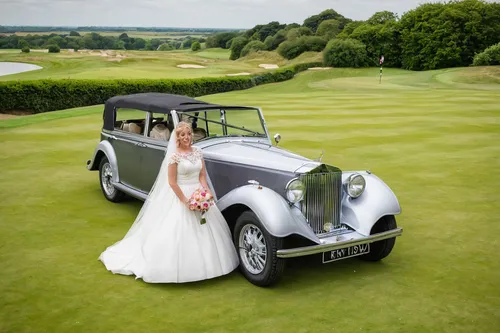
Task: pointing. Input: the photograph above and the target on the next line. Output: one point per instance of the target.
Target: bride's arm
(203, 177)
(172, 181)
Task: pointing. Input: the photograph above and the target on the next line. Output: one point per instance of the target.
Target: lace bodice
(188, 165)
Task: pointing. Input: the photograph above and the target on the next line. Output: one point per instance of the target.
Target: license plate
(351, 251)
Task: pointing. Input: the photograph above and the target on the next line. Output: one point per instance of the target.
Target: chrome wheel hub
(106, 177)
(252, 246)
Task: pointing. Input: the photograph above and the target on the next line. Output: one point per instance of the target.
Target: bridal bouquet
(201, 201)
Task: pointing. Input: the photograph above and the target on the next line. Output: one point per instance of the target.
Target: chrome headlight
(295, 190)
(355, 185)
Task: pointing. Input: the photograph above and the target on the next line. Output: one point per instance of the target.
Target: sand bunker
(269, 66)
(110, 55)
(237, 74)
(190, 66)
(319, 68)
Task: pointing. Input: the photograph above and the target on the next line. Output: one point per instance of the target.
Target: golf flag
(382, 60)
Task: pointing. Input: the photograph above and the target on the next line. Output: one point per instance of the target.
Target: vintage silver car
(277, 204)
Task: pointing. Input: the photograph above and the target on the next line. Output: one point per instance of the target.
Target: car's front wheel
(105, 176)
(381, 249)
(257, 251)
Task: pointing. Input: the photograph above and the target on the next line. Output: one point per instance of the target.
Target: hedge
(48, 95)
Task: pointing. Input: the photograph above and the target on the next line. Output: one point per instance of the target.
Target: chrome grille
(321, 204)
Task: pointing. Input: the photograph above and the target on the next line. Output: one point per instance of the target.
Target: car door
(154, 150)
(128, 157)
(128, 144)
(152, 155)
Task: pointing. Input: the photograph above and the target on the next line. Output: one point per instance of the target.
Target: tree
(382, 17)
(328, 29)
(186, 44)
(54, 49)
(25, 49)
(314, 21)
(252, 46)
(279, 38)
(139, 43)
(196, 46)
(380, 39)
(165, 47)
(295, 33)
(345, 53)
(294, 48)
(22, 44)
(237, 46)
(437, 35)
(74, 34)
(489, 57)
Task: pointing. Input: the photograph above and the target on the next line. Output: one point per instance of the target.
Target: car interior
(161, 127)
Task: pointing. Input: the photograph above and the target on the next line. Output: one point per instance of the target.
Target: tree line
(431, 36)
(94, 41)
(34, 29)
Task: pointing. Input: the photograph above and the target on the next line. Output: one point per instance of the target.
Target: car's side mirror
(277, 138)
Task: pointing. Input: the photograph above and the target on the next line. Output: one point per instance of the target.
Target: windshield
(223, 123)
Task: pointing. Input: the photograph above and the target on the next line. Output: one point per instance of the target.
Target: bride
(167, 243)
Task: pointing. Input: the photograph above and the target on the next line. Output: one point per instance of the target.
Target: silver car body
(253, 173)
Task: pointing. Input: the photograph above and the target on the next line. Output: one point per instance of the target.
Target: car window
(160, 127)
(130, 120)
(245, 122)
(216, 123)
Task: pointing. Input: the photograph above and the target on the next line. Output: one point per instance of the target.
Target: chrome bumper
(331, 244)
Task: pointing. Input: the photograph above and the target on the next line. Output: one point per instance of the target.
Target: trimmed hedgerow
(48, 95)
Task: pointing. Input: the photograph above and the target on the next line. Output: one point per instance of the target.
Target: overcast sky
(186, 13)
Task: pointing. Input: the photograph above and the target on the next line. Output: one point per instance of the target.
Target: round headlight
(295, 190)
(355, 185)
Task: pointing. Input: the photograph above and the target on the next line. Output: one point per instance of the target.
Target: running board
(130, 191)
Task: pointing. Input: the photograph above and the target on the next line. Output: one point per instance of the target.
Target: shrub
(489, 57)
(54, 49)
(48, 95)
(25, 49)
(294, 48)
(255, 45)
(165, 47)
(345, 53)
(196, 46)
(237, 45)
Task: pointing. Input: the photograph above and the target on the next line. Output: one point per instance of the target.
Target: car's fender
(376, 201)
(104, 148)
(278, 217)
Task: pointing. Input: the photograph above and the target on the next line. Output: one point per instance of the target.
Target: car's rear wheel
(257, 251)
(381, 249)
(105, 176)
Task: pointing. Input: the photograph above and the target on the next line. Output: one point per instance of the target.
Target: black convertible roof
(162, 103)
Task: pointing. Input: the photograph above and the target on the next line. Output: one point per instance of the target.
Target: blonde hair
(180, 127)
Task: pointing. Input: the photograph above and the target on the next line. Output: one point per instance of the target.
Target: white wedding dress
(167, 243)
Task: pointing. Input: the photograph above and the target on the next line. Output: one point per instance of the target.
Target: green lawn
(111, 64)
(433, 137)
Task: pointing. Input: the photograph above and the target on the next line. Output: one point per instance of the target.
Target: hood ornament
(320, 156)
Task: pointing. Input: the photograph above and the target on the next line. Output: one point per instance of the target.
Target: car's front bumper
(338, 242)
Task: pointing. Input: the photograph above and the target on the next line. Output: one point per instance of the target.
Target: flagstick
(381, 62)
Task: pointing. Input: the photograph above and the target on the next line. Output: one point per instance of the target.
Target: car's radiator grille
(321, 204)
